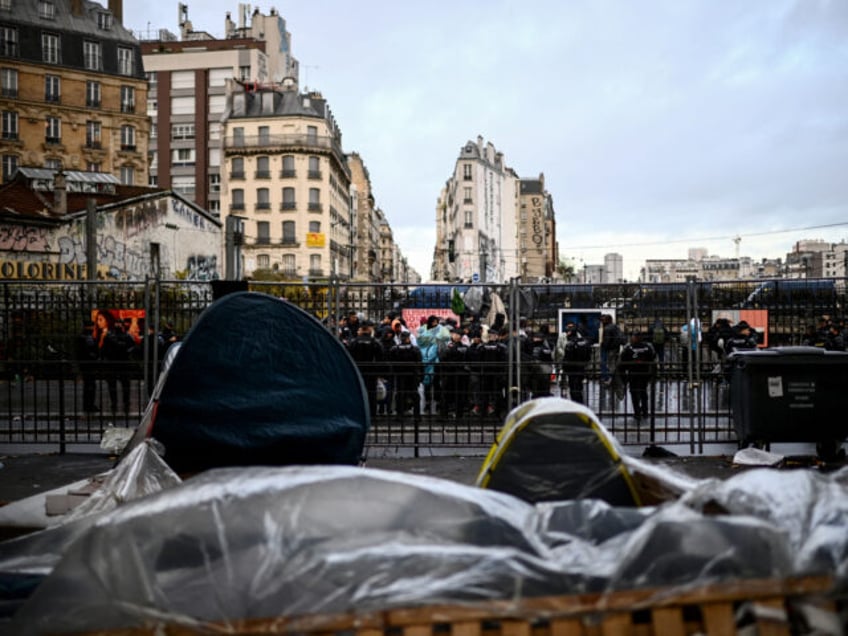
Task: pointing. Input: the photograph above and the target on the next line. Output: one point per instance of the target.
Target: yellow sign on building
(315, 239)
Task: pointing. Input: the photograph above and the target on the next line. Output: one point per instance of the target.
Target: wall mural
(123, 245)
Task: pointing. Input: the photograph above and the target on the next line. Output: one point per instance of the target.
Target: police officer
(455, 375)
(367, 353)
(573, 352)
(407, 374)
(638, 367)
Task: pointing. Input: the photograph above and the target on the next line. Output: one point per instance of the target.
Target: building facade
(476, 219)
(537, 246)
(72, 89)
(135, 232)
(366, 261)
(188, 79)
(287, 178)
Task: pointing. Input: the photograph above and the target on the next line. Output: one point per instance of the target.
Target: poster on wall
(131, 320)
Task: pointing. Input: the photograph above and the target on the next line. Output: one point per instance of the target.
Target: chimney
(76, 7)
(60, 193)
(117, 9)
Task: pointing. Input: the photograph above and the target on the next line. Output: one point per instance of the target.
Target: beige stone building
(72, 89)
(537, 246)
(287, 178)
(368, 219)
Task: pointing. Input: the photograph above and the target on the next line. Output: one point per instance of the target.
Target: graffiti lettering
(136, 220)
(24, 239)
(188, 214)
(202, 267)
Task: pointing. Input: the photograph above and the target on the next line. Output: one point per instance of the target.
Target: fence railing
(43, 377)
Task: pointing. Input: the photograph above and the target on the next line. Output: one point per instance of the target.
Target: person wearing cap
(573, 352)
(493, 363)
(407, 372)
(455, 376)
(637, 368)
(367, 353)
(742, 339)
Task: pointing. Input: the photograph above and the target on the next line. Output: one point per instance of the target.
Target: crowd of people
(443, 367)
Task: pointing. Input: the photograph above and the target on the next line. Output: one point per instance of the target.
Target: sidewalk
(24, 475)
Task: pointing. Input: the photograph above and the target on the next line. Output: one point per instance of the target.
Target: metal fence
(42, 374)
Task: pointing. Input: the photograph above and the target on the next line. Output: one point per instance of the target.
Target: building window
(53, 130)
(104, 21)
(288, 166)
(312, 134)
(52, 88)
(237, 168)
(264, 135)
(152, 79)
(214, 183)
(466, 172)
(263, 199)
(10, 164)
(52, 163)
(46, 9)
(288, 199)
(314, 226)
(10, 124)
(288, 233)
(263, 232)
(183, 184)
(182, 131)
(238, 199)
(215, 207)
(127, 175)
(244, 73)
(314, 200)
(289, 265)
(92, 166)
(466, 198)
(92, 94)
(263, 261)
(468, 219)
(314, 168)
(315, 265)
(182, 157)
(183, 105)
(50, 52)
(9, 41)
(9, 82)
(153, 130)
(238, 136)
(263, 168)
(127, 99)
(128, 138)
(126, 63)
(92, 134)
(5, 5)
(92, 58)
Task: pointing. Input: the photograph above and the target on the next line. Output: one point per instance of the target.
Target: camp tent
(552, 449)
(258, 381)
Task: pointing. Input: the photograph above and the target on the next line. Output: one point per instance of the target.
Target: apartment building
(72, 89)
(368, 219)
(188, 78)
(476, 219)
(537, 246)
(288, 180)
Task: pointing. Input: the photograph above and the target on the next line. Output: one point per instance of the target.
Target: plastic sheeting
(265, 542)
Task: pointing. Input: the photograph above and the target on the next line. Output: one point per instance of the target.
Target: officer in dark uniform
(455, 375)
(87, 355)
(638, 367)
(407, 374)
(367, 353)
(493, 362)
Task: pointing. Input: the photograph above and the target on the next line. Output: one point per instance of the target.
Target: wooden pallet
(756, 607)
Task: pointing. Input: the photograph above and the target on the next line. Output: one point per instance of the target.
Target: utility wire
(702, 239)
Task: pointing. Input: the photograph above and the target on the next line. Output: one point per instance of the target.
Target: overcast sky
(659, 126)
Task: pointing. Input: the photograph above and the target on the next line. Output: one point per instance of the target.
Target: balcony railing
(53, 141)
(262, 174)
(127, 107)
(92, 103)
(263, 205)
(263, 240)
(237, 174)
(93, 145)
(288, 174)
(314, 207)
(288, 205)
(9, 92)
(314, 174)
(237, 206)
(283, 140)
(128, 147)
(289, 242)
(317, 273)
(53, 98)
(9, 134)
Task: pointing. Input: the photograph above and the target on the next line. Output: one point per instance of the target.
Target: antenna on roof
(306, 74)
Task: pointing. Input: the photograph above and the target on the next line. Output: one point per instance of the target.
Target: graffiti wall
(130, 239)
